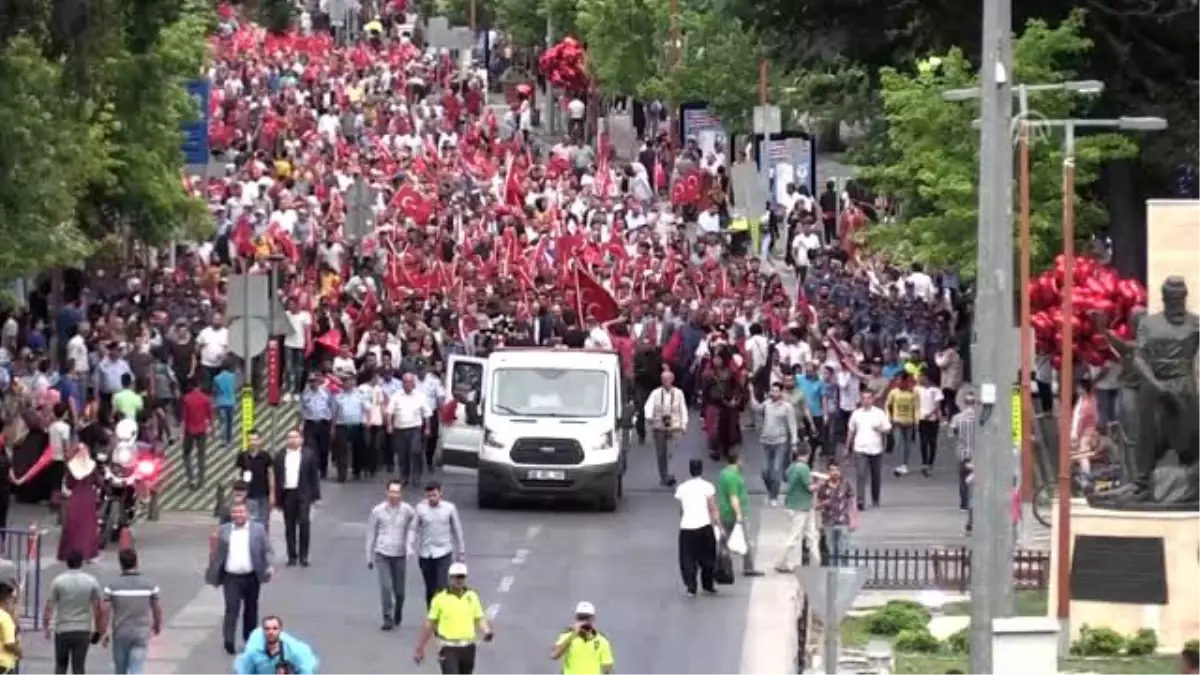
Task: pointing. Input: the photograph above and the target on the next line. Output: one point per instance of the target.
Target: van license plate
(539, 474)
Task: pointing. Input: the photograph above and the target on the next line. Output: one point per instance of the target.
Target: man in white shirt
(922, 283)
(866, 435)
(576, 114)
(407, 422)
(213, 343)
(435, 394)
(598, 337)
(296, 343)
(709, 221)
(804, 244)
(666, 409)
(793, 351)
(698, 523)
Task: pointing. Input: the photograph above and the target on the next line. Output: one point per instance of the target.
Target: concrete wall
(1173, 247)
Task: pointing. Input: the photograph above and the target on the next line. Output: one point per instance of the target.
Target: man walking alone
(389, 530)
(666, 409)
(697, 535)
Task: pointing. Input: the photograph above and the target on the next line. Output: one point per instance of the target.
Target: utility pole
(991, 542)
(548, 99)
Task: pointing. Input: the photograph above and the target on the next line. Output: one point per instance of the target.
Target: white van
(535, 422)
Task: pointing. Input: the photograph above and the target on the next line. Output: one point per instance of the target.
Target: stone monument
(1135, 551)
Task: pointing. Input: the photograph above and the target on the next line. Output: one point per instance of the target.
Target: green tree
(46, 162)
(90, 113)
(718, 64)
(929, 155)
(626, 40)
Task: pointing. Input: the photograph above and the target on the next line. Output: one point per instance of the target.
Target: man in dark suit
(240, 565)
(297, 488)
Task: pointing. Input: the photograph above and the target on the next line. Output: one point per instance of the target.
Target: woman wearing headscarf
(79, 522)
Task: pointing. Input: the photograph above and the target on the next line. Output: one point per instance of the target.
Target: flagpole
(578, 293)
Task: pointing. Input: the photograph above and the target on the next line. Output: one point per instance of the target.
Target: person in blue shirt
(812, 386)
(225, 397)
(891, 364)
(69, 389)
(269, 650)
(349, 435)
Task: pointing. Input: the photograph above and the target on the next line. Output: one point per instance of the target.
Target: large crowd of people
(403, 219)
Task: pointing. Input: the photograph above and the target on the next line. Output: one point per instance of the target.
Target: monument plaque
(1124, 570)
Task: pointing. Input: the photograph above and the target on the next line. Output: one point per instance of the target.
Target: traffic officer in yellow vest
(740, 238)
(583, 650)
(454, 615)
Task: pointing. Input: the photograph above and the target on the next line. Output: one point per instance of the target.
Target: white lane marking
(520, 557)
(533, 531)
(506, 584)
(492, 611)
(769, 644)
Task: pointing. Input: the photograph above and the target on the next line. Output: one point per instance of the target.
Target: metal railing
(22, 548)
(946, 568)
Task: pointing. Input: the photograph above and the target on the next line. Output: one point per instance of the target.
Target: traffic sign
(847, 582)
(195, 129)
(749, 194)
(247, 330)
(248, 295)
(768, 120)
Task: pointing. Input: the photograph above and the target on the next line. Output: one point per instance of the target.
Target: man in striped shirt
(962, 429)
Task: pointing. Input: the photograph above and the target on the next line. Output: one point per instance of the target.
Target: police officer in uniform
(454, 616)
(316, 408)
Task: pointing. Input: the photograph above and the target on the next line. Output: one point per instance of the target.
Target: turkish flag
(412, 204)
(687, 189)
(592, 300)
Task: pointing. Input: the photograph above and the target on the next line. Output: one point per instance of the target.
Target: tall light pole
(1022, 92)
(1066, 383)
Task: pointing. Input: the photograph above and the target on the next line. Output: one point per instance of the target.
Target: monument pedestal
(1132, 570)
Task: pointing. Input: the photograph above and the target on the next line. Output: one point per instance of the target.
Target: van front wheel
(610, 498)
(486, 495)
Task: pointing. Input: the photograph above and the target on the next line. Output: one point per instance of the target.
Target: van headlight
(490, 440)
(605, 442)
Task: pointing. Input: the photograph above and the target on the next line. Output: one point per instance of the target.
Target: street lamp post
(1066, 383)
(993, 358)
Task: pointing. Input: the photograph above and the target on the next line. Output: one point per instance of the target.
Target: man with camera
(666, 408)
(583, 650)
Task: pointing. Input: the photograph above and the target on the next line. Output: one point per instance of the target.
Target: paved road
(531, 564)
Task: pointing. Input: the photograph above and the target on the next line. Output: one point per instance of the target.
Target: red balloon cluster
(565, 66)
(1099, 294)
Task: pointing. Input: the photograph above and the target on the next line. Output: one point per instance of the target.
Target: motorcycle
(129, 480)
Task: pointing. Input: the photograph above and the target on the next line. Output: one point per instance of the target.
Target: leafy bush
(897, 616)
(1098, 642)
(1192, 645)
(918, 640)
(1142, 644)
(959, 642)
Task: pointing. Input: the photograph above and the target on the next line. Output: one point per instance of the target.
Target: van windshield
(550, 392)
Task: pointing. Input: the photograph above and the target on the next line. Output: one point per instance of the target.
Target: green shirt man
(798, 494)
(128, 402)
(731, 483)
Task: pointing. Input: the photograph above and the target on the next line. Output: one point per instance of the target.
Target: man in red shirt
(196, 413)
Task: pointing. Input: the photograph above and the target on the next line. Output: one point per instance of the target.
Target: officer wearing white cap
(454, 615)
(583, 650)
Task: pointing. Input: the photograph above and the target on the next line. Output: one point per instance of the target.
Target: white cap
(585, 608)
(458, 570)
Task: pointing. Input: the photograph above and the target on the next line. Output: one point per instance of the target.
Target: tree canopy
(91, 103)
(928, 157)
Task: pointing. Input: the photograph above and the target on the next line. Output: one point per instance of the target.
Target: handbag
(723, 574)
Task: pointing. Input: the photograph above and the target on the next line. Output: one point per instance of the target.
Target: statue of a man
(1164, 360)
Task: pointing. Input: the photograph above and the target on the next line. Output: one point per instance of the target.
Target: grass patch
(1028, 603)
(910, 664)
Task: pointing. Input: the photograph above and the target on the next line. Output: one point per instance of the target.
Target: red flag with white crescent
(592, 300)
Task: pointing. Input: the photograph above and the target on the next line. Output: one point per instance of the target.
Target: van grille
(547, 451)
